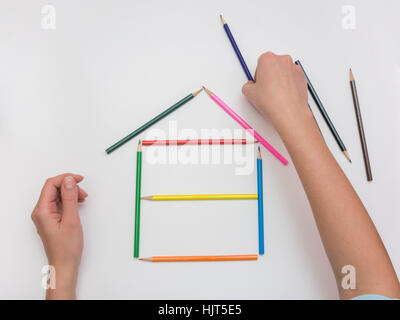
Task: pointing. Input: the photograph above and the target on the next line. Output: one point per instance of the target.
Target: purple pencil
(236, 48)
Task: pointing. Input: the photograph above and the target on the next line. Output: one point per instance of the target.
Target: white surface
(109, 66)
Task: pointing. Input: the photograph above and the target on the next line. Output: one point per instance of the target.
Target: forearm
(347, 232)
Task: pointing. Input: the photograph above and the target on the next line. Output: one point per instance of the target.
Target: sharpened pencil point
(222, 19)
(197, 92)
(139, 147)
(208, 91)
(351, 75)
(147, 198)
(346, 154)
(145, 259)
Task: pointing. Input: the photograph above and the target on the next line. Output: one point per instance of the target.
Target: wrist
(297, 125)
(65, 285)
(301, 133)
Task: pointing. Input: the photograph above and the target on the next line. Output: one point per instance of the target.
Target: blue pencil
(236, 48)
(260, 204)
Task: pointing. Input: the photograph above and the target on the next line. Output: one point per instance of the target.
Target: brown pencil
(360, 126)
(202, 258)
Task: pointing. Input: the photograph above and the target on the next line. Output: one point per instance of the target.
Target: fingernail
(69, 183)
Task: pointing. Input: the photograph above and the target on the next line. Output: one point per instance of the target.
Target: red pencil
(197, 142)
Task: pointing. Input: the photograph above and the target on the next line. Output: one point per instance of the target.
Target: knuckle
(70, 196)
(266, 56)
(287, 58)
(34, 214)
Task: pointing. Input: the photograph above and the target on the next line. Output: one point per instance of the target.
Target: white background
(67, 94)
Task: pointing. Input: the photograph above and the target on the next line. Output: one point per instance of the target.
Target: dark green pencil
(153, 121)
(137, 200)
(324, 113)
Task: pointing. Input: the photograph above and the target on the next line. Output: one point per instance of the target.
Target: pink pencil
(245, 125)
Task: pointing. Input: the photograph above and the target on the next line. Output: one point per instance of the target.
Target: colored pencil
(324, 113)
(360, 126)
(260, 204)
(200, 197)
(137, 200)
(180, 103)
(196, 142)
(245, 125)
(236, 48)
(201, 258)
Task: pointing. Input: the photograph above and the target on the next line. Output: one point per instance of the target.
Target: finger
(69, 198)
(50, 189)
(248, 90)
(82, 194)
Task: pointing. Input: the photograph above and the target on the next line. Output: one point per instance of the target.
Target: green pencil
(153, 121)
(137, 201)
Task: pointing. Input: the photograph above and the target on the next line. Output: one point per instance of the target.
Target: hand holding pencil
(280, 91)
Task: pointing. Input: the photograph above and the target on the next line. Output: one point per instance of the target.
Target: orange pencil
(202, 258)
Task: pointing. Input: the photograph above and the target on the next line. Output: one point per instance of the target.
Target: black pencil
(325, 114)
(360, 127)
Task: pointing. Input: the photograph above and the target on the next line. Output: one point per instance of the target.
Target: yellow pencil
(200, 197)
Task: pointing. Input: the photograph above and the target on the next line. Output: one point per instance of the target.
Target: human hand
(279, 91)
(57, 221)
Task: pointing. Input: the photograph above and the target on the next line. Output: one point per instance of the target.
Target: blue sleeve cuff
(372, 297)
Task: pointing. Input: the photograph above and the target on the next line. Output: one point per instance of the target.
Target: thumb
(69, 197)
(248, 90)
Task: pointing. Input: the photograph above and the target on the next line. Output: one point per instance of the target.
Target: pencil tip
(206, 90)
(351, 75)
(346, 154)
(145, 259)
(259, 153)
(222, 19)
(197, 92)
